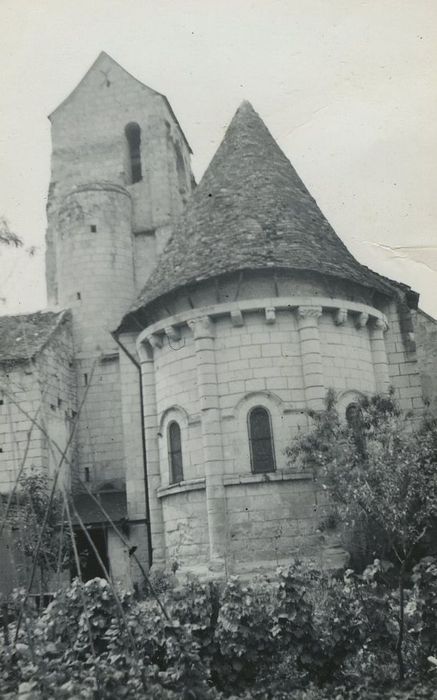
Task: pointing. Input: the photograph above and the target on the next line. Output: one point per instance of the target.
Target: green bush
(301, 635)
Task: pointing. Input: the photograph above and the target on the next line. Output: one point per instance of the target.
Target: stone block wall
(89, 145)
(186, 527)
(95, 263)
(100, 438)
(206, 372)
(347, 356)
(403, 366)
(43, 389)
(272, 520)
(133, 456)
(21, 384)
(426, 339)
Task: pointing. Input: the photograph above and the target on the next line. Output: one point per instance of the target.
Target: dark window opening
(85, 379)
(1, 402)
(90, 566)
(1, 449)
(353, 415)
(87, 474)
(262, 455)
(181, 173)
(175, 453)
(93, 228)
(53, 407)
(133, 135)
(59, 402)
(78, 295)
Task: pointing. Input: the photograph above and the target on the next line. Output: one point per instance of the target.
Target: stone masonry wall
(21, 383)
(347, 358)
(272, 520)
(95, 265)
(426, 339)
(133, 455)
(186, 528)
(259, 358)
(403, 365)
(100, 439)
(89, 145)
(45, 390)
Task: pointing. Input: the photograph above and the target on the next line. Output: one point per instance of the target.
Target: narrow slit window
(262, 454)
(175, 453)
(133, 136)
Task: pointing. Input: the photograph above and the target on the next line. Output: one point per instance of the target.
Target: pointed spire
(251, 210)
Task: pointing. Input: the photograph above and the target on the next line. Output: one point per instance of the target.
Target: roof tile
(24, 335)
(252, 211)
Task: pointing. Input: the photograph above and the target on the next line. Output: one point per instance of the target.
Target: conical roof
(251, 211)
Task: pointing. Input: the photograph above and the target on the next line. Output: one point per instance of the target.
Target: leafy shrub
(301, 635)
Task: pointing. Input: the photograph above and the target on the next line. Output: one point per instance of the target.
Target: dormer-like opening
(133, 136)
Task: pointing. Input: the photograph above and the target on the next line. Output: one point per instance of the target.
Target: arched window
(133, 135)
(175, 453)
(262, 454)
(353, 414)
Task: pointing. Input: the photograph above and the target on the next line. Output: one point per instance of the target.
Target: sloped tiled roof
(24, 336)
(251, 211)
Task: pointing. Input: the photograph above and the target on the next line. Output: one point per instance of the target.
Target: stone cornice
(199, 484)
(202, 319)
(181, 487)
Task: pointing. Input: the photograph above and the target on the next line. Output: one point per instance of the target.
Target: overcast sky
(347, 87)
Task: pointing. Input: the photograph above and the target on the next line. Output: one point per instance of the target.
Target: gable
(104, 83)
(103, 74)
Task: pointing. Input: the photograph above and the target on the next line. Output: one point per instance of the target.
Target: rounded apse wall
(227, 359)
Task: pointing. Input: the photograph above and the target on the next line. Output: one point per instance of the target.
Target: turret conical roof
(251, 211)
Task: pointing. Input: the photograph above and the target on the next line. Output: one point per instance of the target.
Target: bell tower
(120, 176)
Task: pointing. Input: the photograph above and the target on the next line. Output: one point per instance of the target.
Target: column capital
(237, 318)
(340, 316)
(270, 313)
(309, 312)
(361, 320)
(202, 327)
(381, 324)
(155, 341)
(173, 333)
(144, 350)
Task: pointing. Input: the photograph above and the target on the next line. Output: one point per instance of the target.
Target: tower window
(180, 169)
(93, 228)
(133, 135)
(175, 453)
(262, 455)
